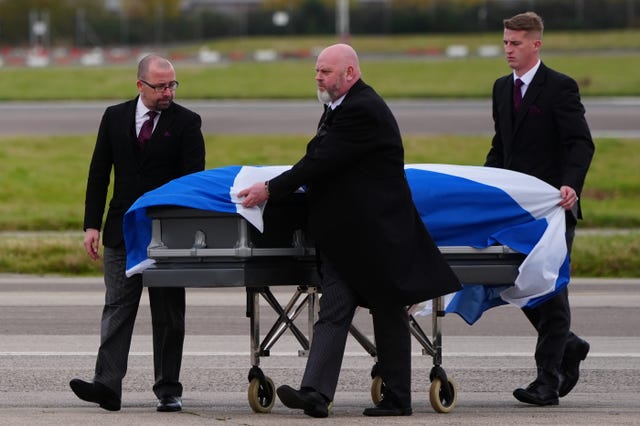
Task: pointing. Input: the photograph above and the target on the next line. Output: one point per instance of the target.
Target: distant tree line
(85, 23)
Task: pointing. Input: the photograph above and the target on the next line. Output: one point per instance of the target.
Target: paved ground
(607, 117)
(49, 334)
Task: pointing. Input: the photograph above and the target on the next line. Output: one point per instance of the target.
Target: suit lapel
(326, 119)
(532, 93)
(505, 113)
(131, 143)
(323, 118)
(166, 118)
(130, 121)
(162, 128)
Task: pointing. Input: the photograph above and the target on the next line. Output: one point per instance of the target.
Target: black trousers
(552, 321)
(122, 298)
(392, 337)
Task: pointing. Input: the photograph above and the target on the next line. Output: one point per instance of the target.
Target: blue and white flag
(482, 206)
(213, 190)
(460, 205)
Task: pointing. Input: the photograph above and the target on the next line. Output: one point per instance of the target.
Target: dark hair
(528, 21)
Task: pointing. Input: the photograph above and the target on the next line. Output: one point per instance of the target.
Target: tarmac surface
(607, 117)
(49, 333)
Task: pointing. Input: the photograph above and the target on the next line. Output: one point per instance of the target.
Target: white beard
(324, 97)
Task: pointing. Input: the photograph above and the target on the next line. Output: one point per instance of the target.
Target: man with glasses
(146, 141)
(159, 88)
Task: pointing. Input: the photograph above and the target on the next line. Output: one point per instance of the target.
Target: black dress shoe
(387, 408)
(96, 392)
(570, 369)
(538, 394)
(313, 403)
(169, 404)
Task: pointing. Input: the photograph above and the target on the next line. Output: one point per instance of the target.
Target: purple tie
(517, 94)
(146, 129)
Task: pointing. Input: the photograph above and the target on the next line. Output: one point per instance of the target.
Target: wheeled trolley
(200, 248)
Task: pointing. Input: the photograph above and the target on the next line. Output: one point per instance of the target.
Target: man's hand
(568, 197)
(92, 242)
(256, 194)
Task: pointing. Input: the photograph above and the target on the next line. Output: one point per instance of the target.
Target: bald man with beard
(374, 250)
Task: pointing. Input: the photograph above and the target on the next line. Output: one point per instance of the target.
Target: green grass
(615, 255)
(554, 42)
(598, 75)
(43, 178)
(604, 63)
(60, 254)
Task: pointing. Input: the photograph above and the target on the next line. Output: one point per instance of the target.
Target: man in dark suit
(540, 129)
(147, 142)
(374, 249)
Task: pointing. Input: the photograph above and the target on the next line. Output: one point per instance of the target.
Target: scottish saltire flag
(460, 205)
(482, 206)
(207, 190)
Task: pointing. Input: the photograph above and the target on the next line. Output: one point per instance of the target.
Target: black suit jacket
(176, 148)
(548, 137)
(361, 213)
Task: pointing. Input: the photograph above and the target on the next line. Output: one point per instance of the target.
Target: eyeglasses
(159, 88)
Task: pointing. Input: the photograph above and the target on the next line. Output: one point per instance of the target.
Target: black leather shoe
(169, 404)
(538, 394)
(387, 408)
(96, 392)
(313, 403)
(570, 369)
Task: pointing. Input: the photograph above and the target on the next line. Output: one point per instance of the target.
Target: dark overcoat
(361, 213)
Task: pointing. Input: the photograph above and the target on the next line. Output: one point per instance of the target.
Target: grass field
(598, 75)
(604, 63)
(43, 178)
(554, 42)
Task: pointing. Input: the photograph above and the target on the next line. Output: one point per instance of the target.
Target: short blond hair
(530, 22)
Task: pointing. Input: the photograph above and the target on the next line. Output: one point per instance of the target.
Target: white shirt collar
(528, 76)
(142, 110)
(334, 104)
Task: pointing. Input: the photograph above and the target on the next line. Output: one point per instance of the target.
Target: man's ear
(537, 44)
(350, 73)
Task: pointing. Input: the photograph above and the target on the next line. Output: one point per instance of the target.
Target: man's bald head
(342, 55)
(337, 70)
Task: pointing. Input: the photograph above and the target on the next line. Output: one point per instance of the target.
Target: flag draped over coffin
(460, 205)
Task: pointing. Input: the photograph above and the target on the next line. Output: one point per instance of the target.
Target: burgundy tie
(517, 94)
(146, 129)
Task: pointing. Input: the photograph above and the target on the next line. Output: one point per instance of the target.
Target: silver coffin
(198, 248)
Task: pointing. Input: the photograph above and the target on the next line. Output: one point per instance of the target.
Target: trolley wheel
(377, 390)
(442, 401)
(261, 395)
